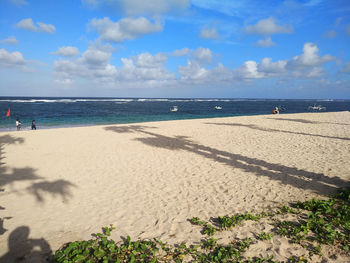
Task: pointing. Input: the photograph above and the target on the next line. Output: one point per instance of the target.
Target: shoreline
(28, 128)
(149, 178)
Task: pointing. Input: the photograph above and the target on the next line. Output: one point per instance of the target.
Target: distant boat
(218, 108)
(173, 108)
(316, 108)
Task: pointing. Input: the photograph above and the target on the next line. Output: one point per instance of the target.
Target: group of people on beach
(18, 124)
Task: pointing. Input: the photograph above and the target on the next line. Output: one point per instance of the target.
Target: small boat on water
(173, 108)
(218, 108)
(316, 108)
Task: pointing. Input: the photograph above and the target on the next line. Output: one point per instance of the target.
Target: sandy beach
(148, 179)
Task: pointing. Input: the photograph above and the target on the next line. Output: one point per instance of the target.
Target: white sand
(148, 179)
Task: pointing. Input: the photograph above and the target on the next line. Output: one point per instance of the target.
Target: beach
(148, 179)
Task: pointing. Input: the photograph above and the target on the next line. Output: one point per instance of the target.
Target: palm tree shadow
(8, 176)
(317, 182)
(307, 121)
(256, 127)
(21, 248)
(56, 188)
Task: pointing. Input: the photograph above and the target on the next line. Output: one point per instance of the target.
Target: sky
(291, 49)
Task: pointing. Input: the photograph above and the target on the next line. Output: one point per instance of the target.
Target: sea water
(68, 112)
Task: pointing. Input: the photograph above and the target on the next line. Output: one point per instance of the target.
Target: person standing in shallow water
(18, 124)
(33, 125)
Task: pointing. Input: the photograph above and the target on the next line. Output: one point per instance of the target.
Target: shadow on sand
(21, 248)
(256, 127)
(26, 250)
(307, 121)
(317, 182)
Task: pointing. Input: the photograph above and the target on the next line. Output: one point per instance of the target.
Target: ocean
(50, 112)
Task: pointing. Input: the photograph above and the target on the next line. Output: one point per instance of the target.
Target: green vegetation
(317, 223)
(227, 222)
(327, 222)
(264, 236)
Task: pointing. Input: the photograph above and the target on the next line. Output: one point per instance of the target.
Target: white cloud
(268, 27)
(270, 68)
(90, 2)
(309, 57)
(67, 51)
(267, 42)
(306, 65)
(8, 59)
(313, 2)
(137, 69)
(249, 70)
(203, 55)
(209, 33)
(148, 70)
(108, 71)
(227, 7)
(124, 29)
(46, 28)
(192, 71)
(10, 41)
(315, 72)
(67, 71)
(330, 34)
(19, 2)
(28, 24)
(96, 57)
(135, 7)
(338, 21)
(67, 68)
(146, 60)
(181, 52)
(221, 74)
(194, 74)
(94, 64)
(140, 7)
(346, 68)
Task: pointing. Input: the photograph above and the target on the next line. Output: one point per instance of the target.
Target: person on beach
(18, 124)
(33, 125)
(276, 111)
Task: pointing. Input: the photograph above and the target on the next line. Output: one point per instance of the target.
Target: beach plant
(316, 223)
(207, 227)
(227, 222)
(294, 259)
(103, 249)
(264, 236)
(327, 223)
(209, 243)
(269, 259)
(197, 221)
(287, 209)
(224, 253)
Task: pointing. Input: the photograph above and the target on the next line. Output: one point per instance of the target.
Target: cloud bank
(124, 29)
(28, 24)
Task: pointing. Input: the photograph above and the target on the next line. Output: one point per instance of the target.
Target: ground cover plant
(318, 223)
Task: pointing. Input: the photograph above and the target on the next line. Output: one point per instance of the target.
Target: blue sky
(175, 48)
